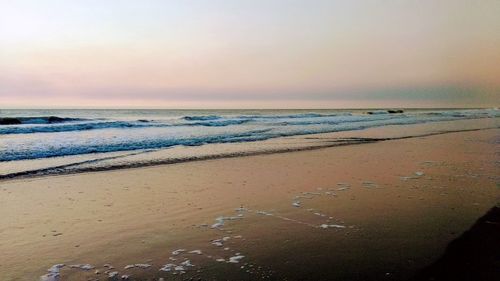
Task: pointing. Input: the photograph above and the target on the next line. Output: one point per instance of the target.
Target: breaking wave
(75, 136)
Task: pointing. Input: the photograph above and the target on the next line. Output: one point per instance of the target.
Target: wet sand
(374, 211)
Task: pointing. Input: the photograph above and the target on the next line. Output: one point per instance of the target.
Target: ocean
(94, 134)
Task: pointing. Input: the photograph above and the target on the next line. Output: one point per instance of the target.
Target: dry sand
(394, 222)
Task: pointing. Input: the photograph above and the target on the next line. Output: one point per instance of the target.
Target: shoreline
(142, 215)
(344, 138)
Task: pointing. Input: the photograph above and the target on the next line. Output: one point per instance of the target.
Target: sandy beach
(250, 140)
(373, 211)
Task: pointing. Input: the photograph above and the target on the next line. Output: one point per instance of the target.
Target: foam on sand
(369, 184)
(235, 259)
(343, 186)
(415, 176)
(177, 252)
(53, 273)
(82, 266)
(168, 267)
(325, 226)
(138, 265)
(187, 263)
(219, 221)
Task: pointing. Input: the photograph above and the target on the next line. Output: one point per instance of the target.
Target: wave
(291, 116)
(37, 120)
(219, 123)
(336, 120)
(259, 116)
(201, 117)
(464, 113)
(186, 138)
(73, 127)
(55, 125)
(192, 133)
(129, 145)
(57, 128)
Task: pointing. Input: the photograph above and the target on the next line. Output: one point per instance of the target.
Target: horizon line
(235, 108)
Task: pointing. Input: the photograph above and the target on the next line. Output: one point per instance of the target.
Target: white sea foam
(217, 243)
(168, 267)
(53, 273)
(82, 266)
(236, 259)
(325, 226)
(219, 221)
(178, 251)
(369, 184)
(415, 175)
(179, 268)
(187, 263)
(139, 265)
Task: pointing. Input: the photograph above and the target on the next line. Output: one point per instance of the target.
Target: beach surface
(372, 210)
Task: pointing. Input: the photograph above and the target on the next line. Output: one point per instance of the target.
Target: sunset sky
(249, 54)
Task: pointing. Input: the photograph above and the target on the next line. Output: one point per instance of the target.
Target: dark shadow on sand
(474, 256)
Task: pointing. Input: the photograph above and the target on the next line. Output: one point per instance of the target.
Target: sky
(249, 53)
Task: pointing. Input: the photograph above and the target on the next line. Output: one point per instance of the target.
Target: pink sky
(256, 54)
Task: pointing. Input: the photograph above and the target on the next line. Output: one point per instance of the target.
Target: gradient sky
(249, 54)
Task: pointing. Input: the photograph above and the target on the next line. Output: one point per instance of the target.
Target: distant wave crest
(201, 117)
(36, 120)
(95, 125)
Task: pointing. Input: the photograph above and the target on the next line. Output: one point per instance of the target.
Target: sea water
(43, 134)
